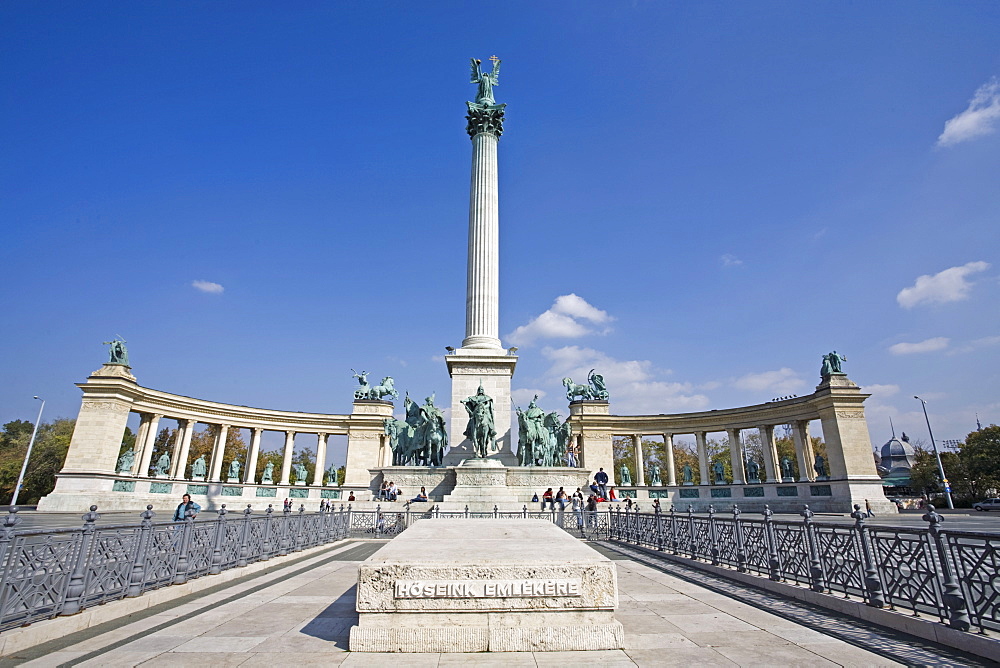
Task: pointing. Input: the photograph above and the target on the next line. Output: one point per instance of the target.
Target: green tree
(47, 457)
(980, 455)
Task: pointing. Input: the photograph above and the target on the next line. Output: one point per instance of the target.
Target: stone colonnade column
(175, 451)
(482, 312)
(320, 458)
(803, 449)
(250, 475)
(182, 458)
(218, 452)
(702, 456)
(640, 466)
(147, 447)
(668, 446)
(770, 453)
(140, 441)
(286, 461)
(736, 455)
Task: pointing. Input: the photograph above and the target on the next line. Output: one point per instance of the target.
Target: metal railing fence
(51, 572)
(379, 523)
(952, 575)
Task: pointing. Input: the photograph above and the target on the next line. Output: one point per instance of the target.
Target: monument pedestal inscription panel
(466, 585)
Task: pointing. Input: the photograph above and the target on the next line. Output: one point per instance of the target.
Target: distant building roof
(898, 457)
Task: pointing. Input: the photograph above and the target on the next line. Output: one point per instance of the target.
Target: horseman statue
(421, 438)
(559, 434)
(480, 430)
(368, 393)
(532, 438)
(595, 388)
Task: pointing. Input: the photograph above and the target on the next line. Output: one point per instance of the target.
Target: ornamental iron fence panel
(951, 575)
(46, 573)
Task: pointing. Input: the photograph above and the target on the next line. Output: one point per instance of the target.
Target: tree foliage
(47, 457)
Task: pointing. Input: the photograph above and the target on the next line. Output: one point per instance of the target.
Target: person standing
(868, 508)
(186, 505)
(592, 511)
(602, 483)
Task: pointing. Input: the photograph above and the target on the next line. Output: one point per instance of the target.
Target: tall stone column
(640, 465)
(736, 455)
(286, 460)
(182, 458)
(668, 447)
(699, 437)
(803, 450)
(482, 361)
(250, 475)
(218, 453)
(770, 453)
(147, 449)
(140, 441)
(320, 458)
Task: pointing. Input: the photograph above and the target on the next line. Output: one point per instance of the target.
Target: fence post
(815, 567)
(741, 548)
(873, 586)
(245, 538)
(350, 521)
(76, 587)
(773, 565)
(138, 574)
(286, 512)
(659, 532)
(958, 617)
(713, 535)
(266, 542)
(692, 535)
(220, 533)
(297, 546)
(673, 530)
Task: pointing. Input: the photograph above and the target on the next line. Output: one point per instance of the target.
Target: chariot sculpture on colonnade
(595, 388)
(374, 393)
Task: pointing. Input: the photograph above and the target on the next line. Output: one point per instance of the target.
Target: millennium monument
(468, 459)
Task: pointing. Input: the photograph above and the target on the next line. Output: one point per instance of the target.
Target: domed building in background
(897, 458)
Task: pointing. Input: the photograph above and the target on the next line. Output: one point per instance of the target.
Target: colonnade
(772, 466)
(149, 426)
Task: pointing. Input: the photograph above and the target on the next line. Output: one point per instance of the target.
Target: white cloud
(782, 381)
(522, 396)
(880, 391)
(984, 342)
(978, 119)
(945, 286)
(569, 317)
(208, 286)
(632, 385)
(926, 346)
(730, 260)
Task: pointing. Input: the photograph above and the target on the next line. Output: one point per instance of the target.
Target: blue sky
(698, 199)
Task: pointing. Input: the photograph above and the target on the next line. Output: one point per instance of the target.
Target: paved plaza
(299, 612)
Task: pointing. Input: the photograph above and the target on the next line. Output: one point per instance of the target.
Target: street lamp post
(944, 479)
(27, 455)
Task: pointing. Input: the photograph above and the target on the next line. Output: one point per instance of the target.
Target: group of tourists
(388, 491)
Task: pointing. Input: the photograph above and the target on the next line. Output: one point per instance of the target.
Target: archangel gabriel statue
(486, 81)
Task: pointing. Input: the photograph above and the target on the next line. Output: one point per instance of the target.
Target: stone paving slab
(301, 616)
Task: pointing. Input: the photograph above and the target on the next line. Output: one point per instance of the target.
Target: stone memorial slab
(477, 585)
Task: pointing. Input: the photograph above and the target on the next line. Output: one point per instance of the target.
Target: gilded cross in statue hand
(494, 59)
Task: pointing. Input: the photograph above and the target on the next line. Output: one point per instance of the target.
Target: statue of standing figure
(199, 467)
(654, 475)
(118, 352)
(486, 81)
(480, 429)
(688, 474)
(626, 476)
(234, 471)
(786, 467)
(820, 468)
(720, 473)
(832, 363)
(331, 475)
(126, 461)
(268, 477)
(753, 470)
(162, 465)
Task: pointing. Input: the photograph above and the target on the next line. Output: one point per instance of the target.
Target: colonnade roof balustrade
(744, 417)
